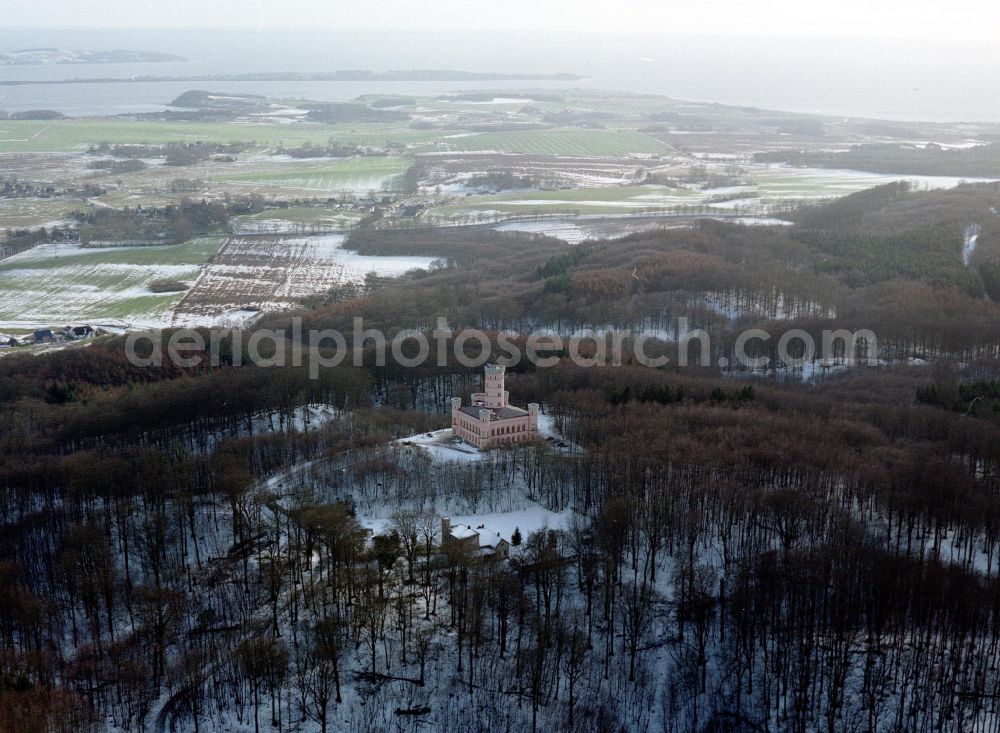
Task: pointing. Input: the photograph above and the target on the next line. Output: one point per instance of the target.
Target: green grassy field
(194, 252)
(59, 283)
(609, 200)
(77, 134)
(358, 174)
(24, 136)
(777, 184)
(770, 186)
(573, 142)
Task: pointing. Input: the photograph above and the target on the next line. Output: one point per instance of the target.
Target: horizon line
(708, 32)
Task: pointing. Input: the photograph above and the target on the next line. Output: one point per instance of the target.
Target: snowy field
(582, 228)
(61, 283)
(273, 273)
(768, 191)
(230, 281)
(783, 182)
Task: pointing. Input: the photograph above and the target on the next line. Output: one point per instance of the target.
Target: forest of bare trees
(244, 548)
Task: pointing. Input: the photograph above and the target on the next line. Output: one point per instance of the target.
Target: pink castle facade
(490, 421)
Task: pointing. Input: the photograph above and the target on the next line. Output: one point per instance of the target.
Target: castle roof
(496, 413)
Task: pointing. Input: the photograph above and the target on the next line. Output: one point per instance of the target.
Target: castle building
(490, 421)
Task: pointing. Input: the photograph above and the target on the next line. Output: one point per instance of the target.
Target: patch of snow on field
(358, 265)
(759, 221)
(741, 203)
(644, 201)
(274, 273)
(45, 285)
(566, 230)
(340, 221)
(781, 181)
(502, 100)
(58, 249)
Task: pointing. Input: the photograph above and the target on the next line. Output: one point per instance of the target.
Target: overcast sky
(853, 18)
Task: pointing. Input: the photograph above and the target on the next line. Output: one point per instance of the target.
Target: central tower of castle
(495, 394)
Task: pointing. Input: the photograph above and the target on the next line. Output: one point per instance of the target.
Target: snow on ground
(971, 237)
(303, 418)
(52, 284)
(779, 181)
(287, 226)
(731, 204)
(235, 318)
(56, 283)
(358, 265)
(581, 228)
(760, 221)
(501, 100)
(547, 427)
(645, 201)
(313, 415)
(526, 520)
(274, 273)
(441, 445)
(576, 230)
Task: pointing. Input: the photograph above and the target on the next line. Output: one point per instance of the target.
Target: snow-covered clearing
(441, 445)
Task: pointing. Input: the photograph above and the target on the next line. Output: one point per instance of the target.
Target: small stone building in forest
(473, 541)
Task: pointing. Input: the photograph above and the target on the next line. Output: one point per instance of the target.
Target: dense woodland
(183, 549)
(171, 224)
(889, 259)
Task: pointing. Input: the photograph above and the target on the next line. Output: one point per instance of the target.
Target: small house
(477, 541)
(44, 336)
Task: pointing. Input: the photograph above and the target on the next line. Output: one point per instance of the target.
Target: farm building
(475, 541)
(44, 336)
(78, 332)
(490, 421)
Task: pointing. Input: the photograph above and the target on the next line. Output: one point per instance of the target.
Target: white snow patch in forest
(526, 520)
(971, 237)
